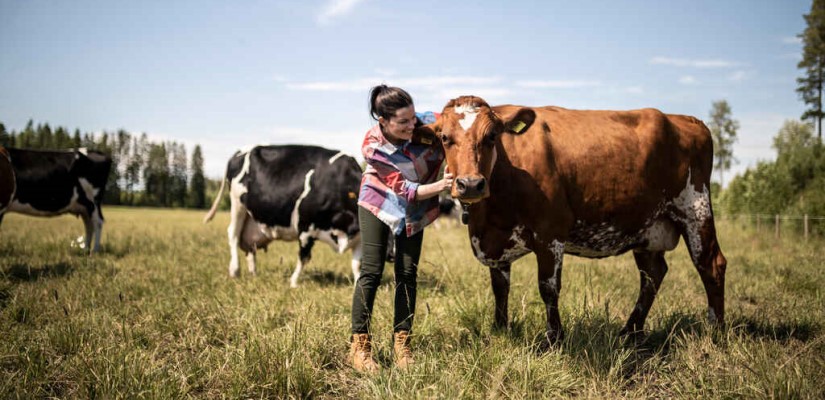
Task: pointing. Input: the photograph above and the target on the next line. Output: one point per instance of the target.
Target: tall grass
(156, 316)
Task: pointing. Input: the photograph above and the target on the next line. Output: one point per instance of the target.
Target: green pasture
(156, 316)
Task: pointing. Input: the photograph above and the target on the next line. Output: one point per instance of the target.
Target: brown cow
(595, 184)
(7, 181)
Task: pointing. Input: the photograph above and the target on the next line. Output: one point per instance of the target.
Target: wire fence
(806, 225)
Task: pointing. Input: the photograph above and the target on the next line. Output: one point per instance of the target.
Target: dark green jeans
(374, 239)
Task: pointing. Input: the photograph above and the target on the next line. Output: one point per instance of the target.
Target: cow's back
(608, 165)
(44, 178)
(277, 177)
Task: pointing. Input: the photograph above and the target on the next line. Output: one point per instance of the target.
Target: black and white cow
(7, 181)
(449, 211)
(303, 193)
(54, 182)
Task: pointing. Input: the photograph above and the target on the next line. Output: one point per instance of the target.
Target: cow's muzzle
(470, 189)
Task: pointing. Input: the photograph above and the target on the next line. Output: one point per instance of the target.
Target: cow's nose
(470, 187)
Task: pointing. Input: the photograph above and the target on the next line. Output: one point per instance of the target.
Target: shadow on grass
(17, 273)
(115, 251)
(330, 278)
(327, 278)
(781, 331)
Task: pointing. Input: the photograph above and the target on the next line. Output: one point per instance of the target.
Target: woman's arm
(433, 189)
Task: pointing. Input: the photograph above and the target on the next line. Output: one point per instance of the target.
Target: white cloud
(688, 80)
(571, 84)
(385, 71)
(685, 62)
(792, 40)
(363, 84)
(492, 95)
(438, 81)
(337, 86)
(334, 9)
(739, 76)
(634, 90)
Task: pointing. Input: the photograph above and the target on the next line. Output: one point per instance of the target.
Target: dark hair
(386, 100)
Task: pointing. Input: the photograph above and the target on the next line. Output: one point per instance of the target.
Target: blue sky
(231, 74)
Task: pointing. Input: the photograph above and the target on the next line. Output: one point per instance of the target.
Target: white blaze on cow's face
(468, 113)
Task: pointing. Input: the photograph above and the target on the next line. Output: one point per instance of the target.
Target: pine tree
(26, 138)
(5, 137)
(61, 138)
(723, 130)
(133, 168)
(44, 137)
(813, 64)
(197, 188)
(178, 178)
(76, 142)
(156, 175)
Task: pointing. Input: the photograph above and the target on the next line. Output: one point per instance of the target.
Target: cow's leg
(708, 259)
(90, 229)
(356, 262)
(250, 263)
(97, 224)
(652, 269)
(238, 217)
(500, 281)
(550, 266)
(304, 256)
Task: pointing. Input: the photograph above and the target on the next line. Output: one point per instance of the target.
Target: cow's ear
(518, 122)
(427, 134)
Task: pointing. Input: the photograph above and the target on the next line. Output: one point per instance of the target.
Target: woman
(399, 195)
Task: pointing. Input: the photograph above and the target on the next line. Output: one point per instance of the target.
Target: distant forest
(144, 172)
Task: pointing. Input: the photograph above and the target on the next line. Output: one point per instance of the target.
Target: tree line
(793, 184)
(144, 172)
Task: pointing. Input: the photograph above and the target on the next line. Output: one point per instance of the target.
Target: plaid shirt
(393, 174)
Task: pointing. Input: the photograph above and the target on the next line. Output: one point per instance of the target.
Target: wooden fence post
(777, 225)
(806, 226)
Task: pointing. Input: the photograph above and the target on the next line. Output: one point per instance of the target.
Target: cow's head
(469, 131)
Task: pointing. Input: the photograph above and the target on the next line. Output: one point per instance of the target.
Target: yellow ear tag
(351, 195)
(426, 141)
(518, 126)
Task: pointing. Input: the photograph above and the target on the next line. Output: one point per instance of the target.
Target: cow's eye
(490, 139)
(445, 139)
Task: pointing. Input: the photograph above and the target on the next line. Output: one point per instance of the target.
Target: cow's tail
(214, 209)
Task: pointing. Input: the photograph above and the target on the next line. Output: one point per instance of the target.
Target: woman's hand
(433, 189)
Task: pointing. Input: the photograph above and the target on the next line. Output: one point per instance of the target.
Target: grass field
(156, 316)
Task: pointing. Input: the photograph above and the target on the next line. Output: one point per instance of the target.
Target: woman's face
(399, 127)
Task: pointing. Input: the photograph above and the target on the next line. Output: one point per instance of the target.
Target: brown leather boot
(401, 349)
(360, 353)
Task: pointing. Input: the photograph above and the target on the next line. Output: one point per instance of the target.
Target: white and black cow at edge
(54, 182)
(291, 192)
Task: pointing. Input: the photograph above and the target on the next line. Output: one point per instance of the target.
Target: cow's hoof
(501, 326)
(549, 340)
(631, 335)
(630, 331)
